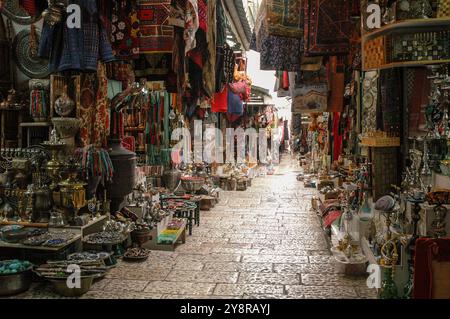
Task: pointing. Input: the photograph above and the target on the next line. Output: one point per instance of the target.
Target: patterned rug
(327, 27)
(285, 18)
(156, 33)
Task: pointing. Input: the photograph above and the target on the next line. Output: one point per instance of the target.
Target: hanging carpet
(327, 27)
(156, 35)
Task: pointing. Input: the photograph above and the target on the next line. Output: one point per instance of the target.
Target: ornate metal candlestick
(54, 166)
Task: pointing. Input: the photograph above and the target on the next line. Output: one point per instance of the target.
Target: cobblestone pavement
(262, 243)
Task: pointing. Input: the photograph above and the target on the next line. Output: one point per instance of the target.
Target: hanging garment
(221, 26)
(191, 25)
(336, 78)
(125, 29)
(235, 105)
(229, 62)
(76, 49)
(87, 107)
(284, 18)
(337, 137)
(101, 118)
(209, 67)
(156, 35)
(327, 27)
(279, 53)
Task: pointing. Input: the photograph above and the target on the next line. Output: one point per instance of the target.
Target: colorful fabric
(228, 64)
(76, 49)
(284, 18)
(279, 53)
(101, 118)
(219, 104)
(125, 29)
(327, 27)
(203, 14)
(220, 42)
(87, 107)
(191, 25)
(235, 105)
(337, 137)
(156, 35)
(209, 68)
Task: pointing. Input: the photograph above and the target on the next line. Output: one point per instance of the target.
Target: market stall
(369, 82)
(87, 116)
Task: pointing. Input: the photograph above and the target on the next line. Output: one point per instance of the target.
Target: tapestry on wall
(156, 35)
(285, 18)
(327, 27)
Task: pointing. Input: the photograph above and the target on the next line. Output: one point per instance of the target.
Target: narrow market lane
(262, 243)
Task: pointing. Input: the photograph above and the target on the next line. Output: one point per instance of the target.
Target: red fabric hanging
(219, 103)
(285, 82)
(337, 138)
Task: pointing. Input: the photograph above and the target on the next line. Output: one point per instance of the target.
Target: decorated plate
(27, 62)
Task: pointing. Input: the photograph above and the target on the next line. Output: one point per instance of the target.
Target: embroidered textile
(327, 27)
(156, 35)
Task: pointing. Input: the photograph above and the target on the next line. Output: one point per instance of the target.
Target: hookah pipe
(389, 259)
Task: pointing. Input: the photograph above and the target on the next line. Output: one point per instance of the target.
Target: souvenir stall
(378, 85)
(87, 113)
(404, 94)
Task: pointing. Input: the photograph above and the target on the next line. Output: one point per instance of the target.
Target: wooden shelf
(409, 26)
(36, 124)
(409, 64)
(40, 248)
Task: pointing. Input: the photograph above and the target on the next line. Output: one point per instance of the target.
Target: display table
(40, 254)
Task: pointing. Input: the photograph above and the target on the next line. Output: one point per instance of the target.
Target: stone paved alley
(262, 243)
